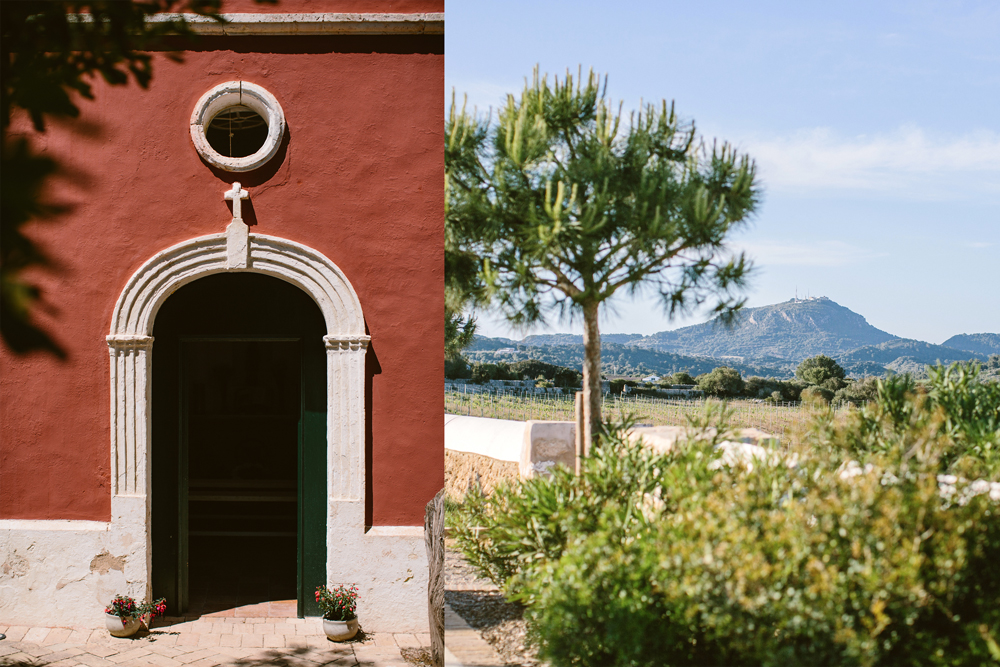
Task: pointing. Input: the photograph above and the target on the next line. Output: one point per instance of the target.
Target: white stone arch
(178, 265)
(131, 344)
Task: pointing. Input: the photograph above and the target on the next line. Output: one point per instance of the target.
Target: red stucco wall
(360, 180)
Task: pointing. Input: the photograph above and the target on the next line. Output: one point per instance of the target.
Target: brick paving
(464, 647)
(242, 637)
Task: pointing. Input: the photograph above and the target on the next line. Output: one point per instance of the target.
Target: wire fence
(774, 418)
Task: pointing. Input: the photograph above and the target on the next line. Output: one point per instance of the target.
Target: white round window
(237, 126)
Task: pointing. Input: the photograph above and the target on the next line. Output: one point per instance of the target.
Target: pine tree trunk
(591, 375)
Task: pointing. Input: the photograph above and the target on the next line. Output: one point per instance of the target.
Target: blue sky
(875, 127)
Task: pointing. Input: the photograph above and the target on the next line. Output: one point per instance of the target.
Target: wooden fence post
(580, 445)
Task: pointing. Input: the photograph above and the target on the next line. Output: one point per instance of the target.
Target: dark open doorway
(240, 409)
(239, 445)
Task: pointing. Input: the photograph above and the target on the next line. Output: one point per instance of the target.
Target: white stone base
(392, 577)
(63, 573)
(58, 572)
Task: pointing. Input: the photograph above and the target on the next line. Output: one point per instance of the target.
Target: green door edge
(313, 470)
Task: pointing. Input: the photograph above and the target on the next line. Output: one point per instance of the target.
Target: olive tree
(563, 201)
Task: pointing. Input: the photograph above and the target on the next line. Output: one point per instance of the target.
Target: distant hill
(536, 340)
(484, 344)
(621, 359)
(793, 330)
(983, 343)
(920, 351)
(902, 356)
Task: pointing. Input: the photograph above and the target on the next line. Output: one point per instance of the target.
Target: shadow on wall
(372, 368)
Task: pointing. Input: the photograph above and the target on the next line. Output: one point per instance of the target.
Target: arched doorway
(381, 558)
(239, 455)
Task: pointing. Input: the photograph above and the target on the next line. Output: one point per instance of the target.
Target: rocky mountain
(768, 341)
(983, 343)
(793, 330)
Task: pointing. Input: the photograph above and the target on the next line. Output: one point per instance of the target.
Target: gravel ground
(417, 656)
(481, 604)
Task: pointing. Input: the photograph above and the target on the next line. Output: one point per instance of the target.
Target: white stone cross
(237, 234)
(236, 194)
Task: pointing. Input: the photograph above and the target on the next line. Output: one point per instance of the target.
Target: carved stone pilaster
(345, 366)
(130, 429)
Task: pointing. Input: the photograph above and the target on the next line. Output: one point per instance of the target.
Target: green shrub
(682, 377)
(457, 368)
(819, 369)
(559, 375)
(543, 382)
(758, 387)
(965, 411)
(723, 382)
(833, 384)
(857, 392)
(484, 372)
(840, 549)
(516, 526)
(815, 395)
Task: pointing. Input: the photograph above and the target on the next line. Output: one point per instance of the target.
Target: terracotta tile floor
(266, 633)
(221, 609)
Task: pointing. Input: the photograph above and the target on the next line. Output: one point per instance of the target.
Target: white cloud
(907, 162)
(822, 253)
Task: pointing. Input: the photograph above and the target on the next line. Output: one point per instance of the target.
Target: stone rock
(547, 444)
(462, 469)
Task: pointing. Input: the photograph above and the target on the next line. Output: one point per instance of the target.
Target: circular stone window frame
(231, 94)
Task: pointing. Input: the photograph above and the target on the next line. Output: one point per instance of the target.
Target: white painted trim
(258, 24)
(227, 95)
(396, 531)
(53, 524)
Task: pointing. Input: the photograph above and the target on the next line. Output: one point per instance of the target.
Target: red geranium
(338, 604)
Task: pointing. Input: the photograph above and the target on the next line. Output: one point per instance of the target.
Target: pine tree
(561, 204)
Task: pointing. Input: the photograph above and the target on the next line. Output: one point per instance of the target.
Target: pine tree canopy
(562, 202)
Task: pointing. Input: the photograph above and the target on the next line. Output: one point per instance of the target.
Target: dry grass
(779, 419)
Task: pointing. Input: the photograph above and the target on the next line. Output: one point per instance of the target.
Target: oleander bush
(964, 410)
(858, 544)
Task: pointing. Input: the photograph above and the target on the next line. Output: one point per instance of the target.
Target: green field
(773, 418)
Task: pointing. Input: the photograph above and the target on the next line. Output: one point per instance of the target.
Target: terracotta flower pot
(340, 631)
(121, 627)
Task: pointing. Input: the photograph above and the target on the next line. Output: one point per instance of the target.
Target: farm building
(251, 302)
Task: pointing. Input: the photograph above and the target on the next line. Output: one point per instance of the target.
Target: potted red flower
(124, 616)
(340, 611)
